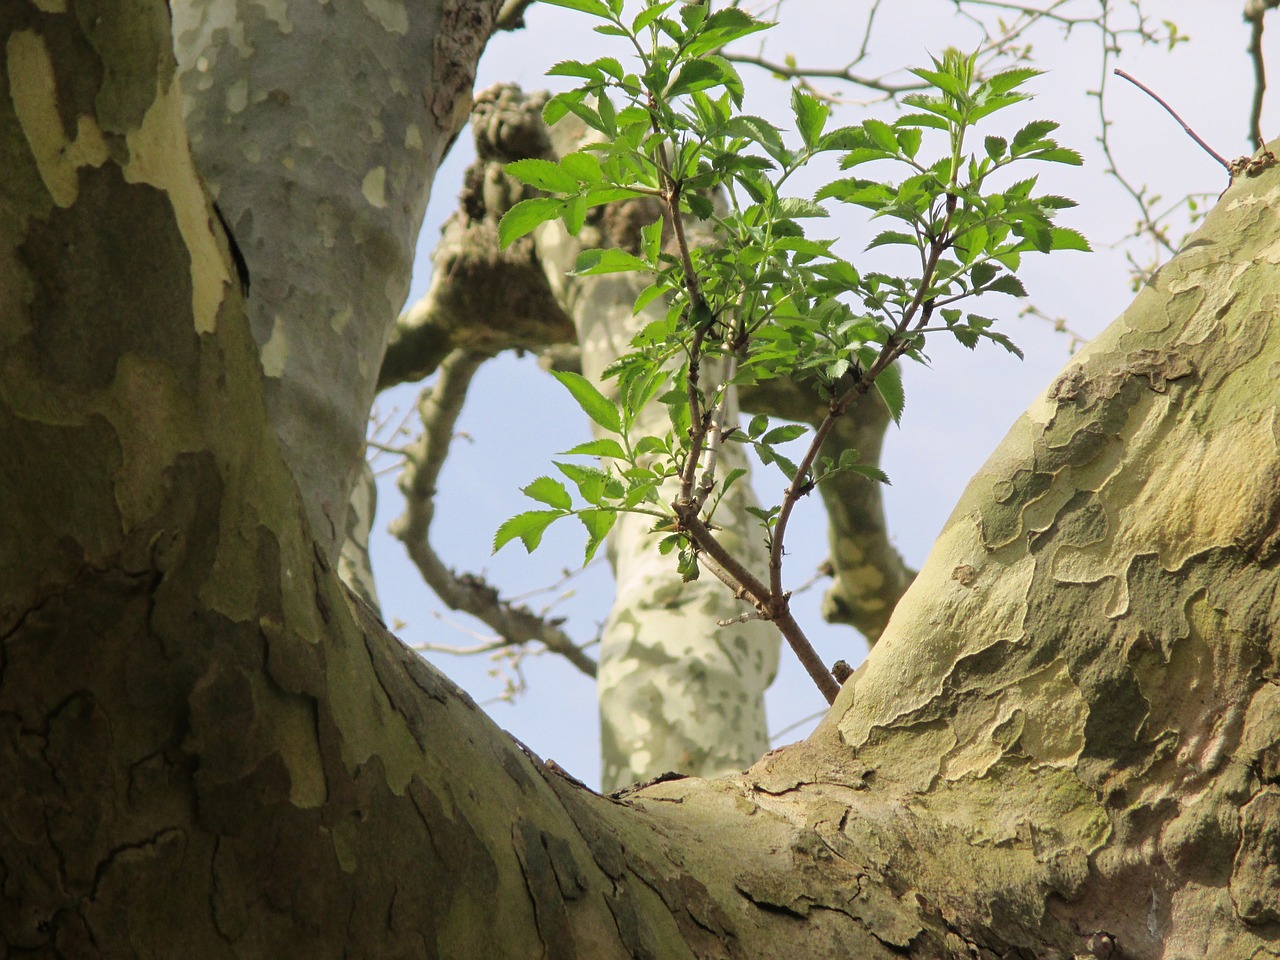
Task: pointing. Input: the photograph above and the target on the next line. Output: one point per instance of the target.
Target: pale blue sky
(957, 411)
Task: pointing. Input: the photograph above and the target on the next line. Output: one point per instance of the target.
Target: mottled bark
(1065, 744)
(320, 153)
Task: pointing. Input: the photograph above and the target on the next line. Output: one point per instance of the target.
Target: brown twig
(424, 458)
(1254, 13)
(1174, 113)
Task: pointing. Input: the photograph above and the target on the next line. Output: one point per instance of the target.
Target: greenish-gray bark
(1066, 743)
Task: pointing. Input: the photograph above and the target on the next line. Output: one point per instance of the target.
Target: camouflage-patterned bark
(320, 153)
(678, 690)
(1066, 743)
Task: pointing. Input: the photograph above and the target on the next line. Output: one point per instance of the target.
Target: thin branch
(439, 408)
(1174, 113)
(1254, 13)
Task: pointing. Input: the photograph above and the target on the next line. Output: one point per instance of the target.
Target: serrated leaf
(1030, 135)
(882, 134)
(1005, 342)
(797, 207)
(1064, 238)
(611, 260)
(574, 68)
(528, 526)
(543, 174)
(604, 447)
(598, 524)
(909, 140)
(593, 403)
(1056, 154)
(1006, 283)
(647, 296)
(549, 491)
(785, 433)
(893, 236)
(869, 471)
(811, 115)
(1008, 80)
(594, 7)
(525, 217)
(696, 75)
(594, 485)
(889, 385)
(650, 14)
(687, 565)
(583, 167)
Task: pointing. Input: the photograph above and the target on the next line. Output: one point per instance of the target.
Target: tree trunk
(1066, 743)
(320, 153)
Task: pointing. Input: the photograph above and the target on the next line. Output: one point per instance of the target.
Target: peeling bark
(1065, 744)
(320, 153)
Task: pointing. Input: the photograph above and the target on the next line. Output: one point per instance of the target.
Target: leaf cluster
(768, 298)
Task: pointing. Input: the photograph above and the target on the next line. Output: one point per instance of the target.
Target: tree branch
(439, 407)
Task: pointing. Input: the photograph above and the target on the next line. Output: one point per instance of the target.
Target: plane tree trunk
(1067, 741)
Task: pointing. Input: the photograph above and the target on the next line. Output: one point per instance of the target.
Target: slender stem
(1254, 13)
(773, 606)
(715, 436)
(424, 458)
(813, 664)
(1174, 113)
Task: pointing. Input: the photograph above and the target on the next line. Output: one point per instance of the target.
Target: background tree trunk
(1066, 742)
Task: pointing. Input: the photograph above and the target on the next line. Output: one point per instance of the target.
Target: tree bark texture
(320, 153)
(1067, 742)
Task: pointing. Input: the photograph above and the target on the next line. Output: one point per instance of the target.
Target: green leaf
(1006, 283)
(1010, 79)
(525, 217)
(591, 263)
(909, 139)
(594, 485)
(732, 477)
(868, 471)
(575, 68)
(543, 174)
(650, 14)
(697, 75)
(687, 565)
(549, 491)
(889, 385)
(583, 167)
(594, 7)
(883, 136)
(647, 296)
(995, 147)
(796, 208)
(574, 213)
(785, 433)
(1031, 135)
(528, 526)
(893, 236)
(598, 524)
(811, 115)
(942, 81)
(593, 403)
(604, 447)
(1064, 238)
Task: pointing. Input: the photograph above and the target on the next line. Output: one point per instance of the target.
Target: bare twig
(1174, 113)
(439, 407)
(1254, 13)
